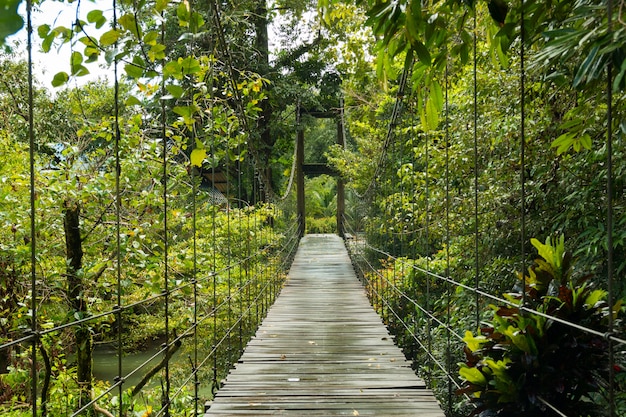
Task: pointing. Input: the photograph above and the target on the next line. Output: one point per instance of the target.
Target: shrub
(522, 361)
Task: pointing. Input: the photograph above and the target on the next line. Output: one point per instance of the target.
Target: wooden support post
(341, 203)
(300, 180)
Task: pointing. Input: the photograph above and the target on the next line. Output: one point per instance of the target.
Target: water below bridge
(322, 350)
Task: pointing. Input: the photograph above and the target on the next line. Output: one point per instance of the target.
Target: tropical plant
(533, 356)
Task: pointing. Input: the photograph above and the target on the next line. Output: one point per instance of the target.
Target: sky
(58, 59)
(56, 13)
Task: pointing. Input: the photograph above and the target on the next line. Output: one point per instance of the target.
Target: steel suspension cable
(397, 110)
(291, 175)
(240, 251)
(250, 173)
(228, 258)
(214, 208)
(217, 20)
(429, 341)
(401, 199)
(194, 279)
(413, 233)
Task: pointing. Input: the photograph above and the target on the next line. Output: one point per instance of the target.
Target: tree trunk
(8, 306)
(76, 296)
(45, 388)
(261, 44)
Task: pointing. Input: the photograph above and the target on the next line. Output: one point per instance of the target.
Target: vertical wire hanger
(447, 220)
(118, 222)
(523, 148)
(609, 213)
(475, 134)
(213, 240)
(429, 340)
(165, 400)
(33, 221)
(194, 229)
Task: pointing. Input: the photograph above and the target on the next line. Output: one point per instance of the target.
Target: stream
(105, 363)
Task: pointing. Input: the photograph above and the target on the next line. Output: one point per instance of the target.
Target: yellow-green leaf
(173, 69)
(474, 342)
(190, 65)
(156, 52)
(133, 101)
(197, 157)
(472, 375)
(59, 79)
(97, 17)
(432, 114)
(129, 23)
(594, 298)
(43, 30)
(182, 11)
(109, 38)
(161, 5)
(175, 90)
(151, 38)
(133, 71)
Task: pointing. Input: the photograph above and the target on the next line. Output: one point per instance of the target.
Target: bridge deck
(322, 350)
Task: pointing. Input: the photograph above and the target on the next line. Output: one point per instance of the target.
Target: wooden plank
(322, 350)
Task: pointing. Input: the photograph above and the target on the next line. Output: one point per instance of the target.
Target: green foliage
(78, 164)
(321, 198)
(321, 204)
(321, 225)
(10, 20)
(412, 208)
(213, 99)
(520, 360)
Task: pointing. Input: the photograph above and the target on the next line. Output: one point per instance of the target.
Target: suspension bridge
(163, 227)
(322, 350)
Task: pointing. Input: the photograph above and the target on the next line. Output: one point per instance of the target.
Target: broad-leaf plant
(527, 360)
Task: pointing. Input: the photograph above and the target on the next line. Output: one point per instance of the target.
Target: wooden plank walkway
(322, 350)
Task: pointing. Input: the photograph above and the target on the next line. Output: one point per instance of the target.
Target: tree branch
(46, 380)
(168, 355)
(101, 410)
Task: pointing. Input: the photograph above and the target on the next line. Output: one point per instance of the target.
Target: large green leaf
(173, 69)
(10, 21)
(109, 37)
(472, 375)
(59, 79)
(133, 71)
(432, 114)
(183, 13)
(175, 90)
(422, 52)
(97, 17)
(129, 23)
(197, 157)
(190, 65)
